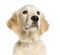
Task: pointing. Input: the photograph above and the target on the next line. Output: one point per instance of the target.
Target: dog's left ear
(43, 25)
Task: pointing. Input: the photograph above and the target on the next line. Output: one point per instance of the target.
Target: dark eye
(38, 12)
(25, 12)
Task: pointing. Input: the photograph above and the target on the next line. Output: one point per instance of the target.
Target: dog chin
(32, 29)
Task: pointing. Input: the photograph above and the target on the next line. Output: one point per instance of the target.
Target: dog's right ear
(13, 23)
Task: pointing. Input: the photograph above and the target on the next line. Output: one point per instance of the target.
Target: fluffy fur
(29, 41)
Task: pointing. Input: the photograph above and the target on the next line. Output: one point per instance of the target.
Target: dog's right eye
(25, 12)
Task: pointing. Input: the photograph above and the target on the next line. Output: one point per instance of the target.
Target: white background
(51, 9)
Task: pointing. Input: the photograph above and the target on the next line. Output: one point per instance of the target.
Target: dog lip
(26, 28)
(32, 27)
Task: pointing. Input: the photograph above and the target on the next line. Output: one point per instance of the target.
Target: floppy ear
(43, 25)
(13, 23)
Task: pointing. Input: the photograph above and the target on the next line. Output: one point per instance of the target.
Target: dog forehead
(29, 8)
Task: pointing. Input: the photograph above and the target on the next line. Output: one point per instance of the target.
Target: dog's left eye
(38, 12)
(25, 12)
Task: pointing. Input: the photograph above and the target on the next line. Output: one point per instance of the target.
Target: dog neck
(29, 37)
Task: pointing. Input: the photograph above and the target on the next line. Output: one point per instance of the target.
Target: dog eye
(25, 12)
(38, 12)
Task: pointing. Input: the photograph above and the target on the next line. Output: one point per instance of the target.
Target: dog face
(28, 18)
(31, 18)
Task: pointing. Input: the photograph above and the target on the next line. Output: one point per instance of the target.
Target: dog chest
(30, 49)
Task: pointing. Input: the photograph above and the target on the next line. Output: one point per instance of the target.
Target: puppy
(29, 24)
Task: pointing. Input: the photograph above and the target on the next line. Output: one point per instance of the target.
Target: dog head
(28, 18)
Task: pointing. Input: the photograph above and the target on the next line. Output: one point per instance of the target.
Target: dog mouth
(34, 25)
(31, 27)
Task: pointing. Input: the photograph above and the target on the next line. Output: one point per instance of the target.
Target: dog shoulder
(18, 49)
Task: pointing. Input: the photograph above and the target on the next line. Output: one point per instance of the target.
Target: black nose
(35, 18)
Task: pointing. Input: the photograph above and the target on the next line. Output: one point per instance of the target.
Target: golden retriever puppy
(29, 24)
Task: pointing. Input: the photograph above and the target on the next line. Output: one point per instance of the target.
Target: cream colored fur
(29, 41)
